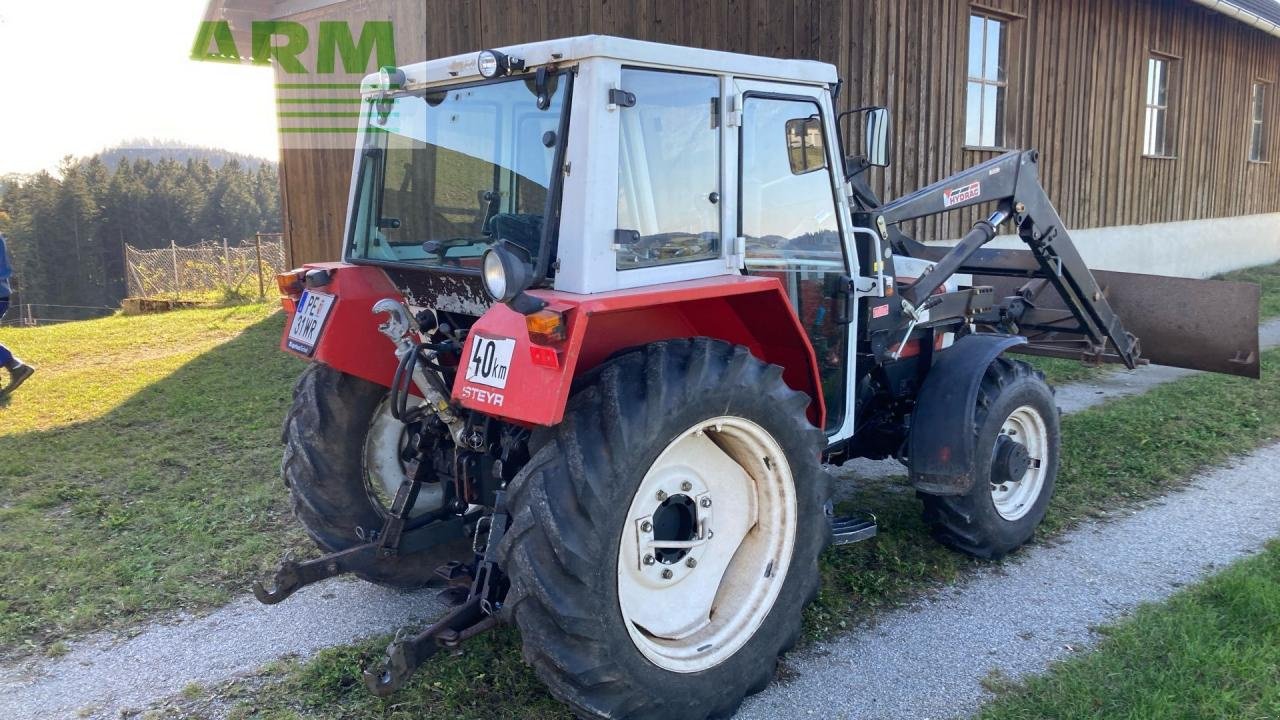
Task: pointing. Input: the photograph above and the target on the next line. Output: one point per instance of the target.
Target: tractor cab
(595, 165)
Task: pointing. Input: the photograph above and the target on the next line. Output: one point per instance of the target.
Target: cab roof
(639, 52)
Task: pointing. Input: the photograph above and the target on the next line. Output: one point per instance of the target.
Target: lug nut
(690, 562)
(648, 560)
(686, 486)
(666, 574)
(646, 526)
(662, 495)
(706, 502)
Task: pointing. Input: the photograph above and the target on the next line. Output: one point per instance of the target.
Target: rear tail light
(546, 326)
(291, 283)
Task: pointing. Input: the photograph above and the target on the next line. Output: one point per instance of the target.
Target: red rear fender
(749, 311)
(349, 340)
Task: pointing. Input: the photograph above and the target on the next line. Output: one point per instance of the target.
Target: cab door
(793, 220)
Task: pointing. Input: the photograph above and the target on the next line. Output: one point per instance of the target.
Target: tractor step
(846, 530)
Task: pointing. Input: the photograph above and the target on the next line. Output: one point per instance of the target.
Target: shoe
(18, 374)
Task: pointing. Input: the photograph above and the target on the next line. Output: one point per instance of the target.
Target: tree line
(67, 232)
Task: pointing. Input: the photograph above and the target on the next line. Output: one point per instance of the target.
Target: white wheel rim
(384, 467)
(1013, 500)
(690, 608)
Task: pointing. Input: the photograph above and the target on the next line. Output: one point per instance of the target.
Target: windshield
(446, 173)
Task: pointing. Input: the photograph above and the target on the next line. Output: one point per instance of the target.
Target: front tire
(1016, 466)
(616, 621)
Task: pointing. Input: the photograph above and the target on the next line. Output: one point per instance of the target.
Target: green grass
(485, 681)
(1060, 371)
(138, 469)
(1211, 651)
(1268, 276)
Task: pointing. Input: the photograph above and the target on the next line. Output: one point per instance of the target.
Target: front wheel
(1016, 466)
(665, 541)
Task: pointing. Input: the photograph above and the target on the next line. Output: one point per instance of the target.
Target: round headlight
(489, 64)
(495, 276)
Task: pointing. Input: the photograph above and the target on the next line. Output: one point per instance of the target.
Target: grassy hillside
(138, 468)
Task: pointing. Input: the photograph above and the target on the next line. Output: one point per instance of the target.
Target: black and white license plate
(490, 362)
(308, 321)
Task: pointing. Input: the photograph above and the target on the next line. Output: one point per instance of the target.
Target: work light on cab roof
(390, 78)
(493, 64)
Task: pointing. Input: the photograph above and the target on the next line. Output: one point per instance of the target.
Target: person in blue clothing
(18, 370)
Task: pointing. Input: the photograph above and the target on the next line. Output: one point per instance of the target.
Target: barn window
(1258, 123)
(984, 108)
(1157, 136)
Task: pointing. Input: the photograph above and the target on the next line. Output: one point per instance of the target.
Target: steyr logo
(215, 41)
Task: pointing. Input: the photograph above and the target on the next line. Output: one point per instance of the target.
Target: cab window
(668, 169)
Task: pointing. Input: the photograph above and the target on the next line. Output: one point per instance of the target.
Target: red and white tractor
(605, 310)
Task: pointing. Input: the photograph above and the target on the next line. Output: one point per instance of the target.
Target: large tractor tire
(342, 464)
(665, 539)
(1016, 457)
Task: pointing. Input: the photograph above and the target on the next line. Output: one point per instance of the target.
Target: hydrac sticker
(961, 194)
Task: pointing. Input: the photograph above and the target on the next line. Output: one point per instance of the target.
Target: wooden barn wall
(1076, 82)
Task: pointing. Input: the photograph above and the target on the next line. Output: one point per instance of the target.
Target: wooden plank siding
(1077, 83)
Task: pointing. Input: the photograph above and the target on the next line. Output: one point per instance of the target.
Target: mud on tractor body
(607, 307)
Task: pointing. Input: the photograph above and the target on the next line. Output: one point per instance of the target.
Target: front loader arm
(1012, 182)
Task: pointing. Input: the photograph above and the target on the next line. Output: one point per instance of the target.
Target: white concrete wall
(1193, 248)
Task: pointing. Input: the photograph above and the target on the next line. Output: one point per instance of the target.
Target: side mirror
(877, 134)
(806, 151)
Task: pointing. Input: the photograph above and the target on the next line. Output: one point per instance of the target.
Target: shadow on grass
(169, 500)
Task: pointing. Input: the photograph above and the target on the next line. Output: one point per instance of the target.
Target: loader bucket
(1188, 323)
(1209, 325)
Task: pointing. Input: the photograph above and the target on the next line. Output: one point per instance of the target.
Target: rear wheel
(1016, 466)
(665, 540)
(344, 457)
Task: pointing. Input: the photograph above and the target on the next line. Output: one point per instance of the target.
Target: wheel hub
(1017, 469)
(673, 537)
(675, 521)
(1011, 462)
(388, 453)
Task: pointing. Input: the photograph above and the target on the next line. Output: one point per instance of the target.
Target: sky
(78, 76)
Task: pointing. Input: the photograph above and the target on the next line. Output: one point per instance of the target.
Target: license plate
(490, 362)
(308, 321)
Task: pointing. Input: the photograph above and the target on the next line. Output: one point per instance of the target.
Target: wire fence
(206, 271)
(32, 314)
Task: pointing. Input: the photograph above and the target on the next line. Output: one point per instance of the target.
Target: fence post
(257, 248)
(173, 251)
(128, 275)
(226, 264)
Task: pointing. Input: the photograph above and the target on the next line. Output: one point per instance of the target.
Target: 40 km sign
(490, 361)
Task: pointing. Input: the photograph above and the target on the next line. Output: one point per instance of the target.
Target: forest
(66, 231)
